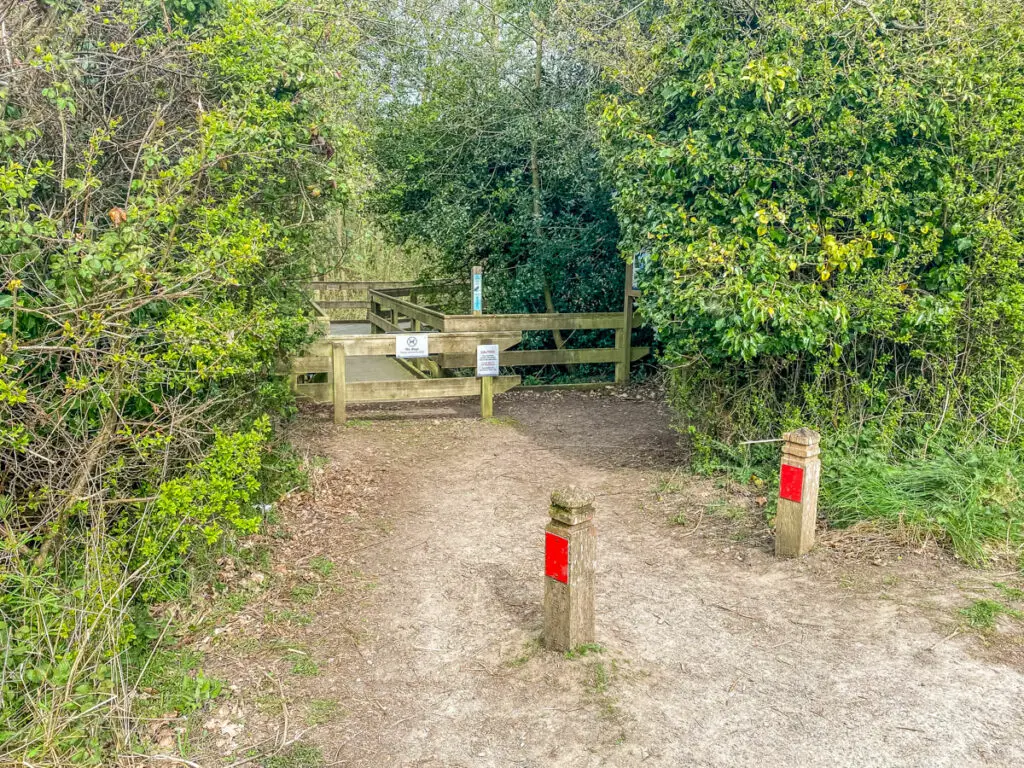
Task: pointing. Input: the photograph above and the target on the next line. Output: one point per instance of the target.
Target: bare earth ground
(420, 646)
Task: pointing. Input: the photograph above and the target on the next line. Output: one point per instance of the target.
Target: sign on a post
(411, 345)
(478, 292)
(487, 360)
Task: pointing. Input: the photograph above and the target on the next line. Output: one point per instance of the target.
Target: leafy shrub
(828, 194)
(159, 159)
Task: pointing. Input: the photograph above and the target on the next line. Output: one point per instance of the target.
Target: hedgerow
(164, 166)
(829, 196)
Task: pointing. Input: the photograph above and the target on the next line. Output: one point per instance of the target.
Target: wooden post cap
(802, 436)
(571, 506)
(802, 443)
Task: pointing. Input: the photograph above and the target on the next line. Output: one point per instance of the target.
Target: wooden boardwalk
(354, 365)
(361, 368)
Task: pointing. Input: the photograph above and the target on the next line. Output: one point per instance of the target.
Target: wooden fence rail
(394, 307)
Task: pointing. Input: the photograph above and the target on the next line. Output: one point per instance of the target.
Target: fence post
(624, 337)
(338, 382)
(416, 327)
(477, 290)
(486, 397)
(799, 478)
(570, 559)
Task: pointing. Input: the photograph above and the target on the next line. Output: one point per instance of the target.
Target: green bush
(829, 195)
(163, 171)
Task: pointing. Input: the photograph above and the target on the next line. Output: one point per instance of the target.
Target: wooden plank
(540, 322)
(486, 397)
(318, 393)
(408, 309)
(312, 364)
(411, 368)
(624, 337)
(423, 389)
(427, 288)
(329, 305)
(338, 389)
(439, 343)
(403, 286)
(382, 324)
(548, 357)
(359, 285)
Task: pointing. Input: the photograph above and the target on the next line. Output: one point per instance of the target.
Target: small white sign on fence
(487, 360)
(411, 345)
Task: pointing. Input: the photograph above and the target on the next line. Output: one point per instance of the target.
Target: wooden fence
(403, 307)
(387, 311)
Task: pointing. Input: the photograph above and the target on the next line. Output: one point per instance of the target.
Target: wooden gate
(394, 308)
(329, 356)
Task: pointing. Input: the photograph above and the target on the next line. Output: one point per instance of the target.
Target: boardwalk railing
(395, 307)
(387, 312)
(328, 356)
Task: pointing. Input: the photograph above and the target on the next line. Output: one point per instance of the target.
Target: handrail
(380, 285)
(427, 316)
(562, 321)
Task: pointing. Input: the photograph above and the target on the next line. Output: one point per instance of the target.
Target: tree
(485, 152)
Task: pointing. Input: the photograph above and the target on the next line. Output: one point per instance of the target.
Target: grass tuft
(982, 614)
(298, 755)
(586, 649)
(322, 565)
(972, 500)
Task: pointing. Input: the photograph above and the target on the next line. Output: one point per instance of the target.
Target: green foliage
(176, 681)
(972, 499)
(982, 614)
(322, 565)
(192, 512)
(828, 196)
(490, 160)
(580, 651)
(298, 755)
(303, 665)
(322, 711)
(165, 165)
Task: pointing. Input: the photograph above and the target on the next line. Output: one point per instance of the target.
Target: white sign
(411, 345)
(487, 360)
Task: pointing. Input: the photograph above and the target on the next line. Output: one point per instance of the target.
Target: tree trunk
(549, 303)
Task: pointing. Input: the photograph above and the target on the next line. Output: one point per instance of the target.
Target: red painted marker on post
(556, 557)
(791, 483)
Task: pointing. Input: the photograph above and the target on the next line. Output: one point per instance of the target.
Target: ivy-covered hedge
(830, 195)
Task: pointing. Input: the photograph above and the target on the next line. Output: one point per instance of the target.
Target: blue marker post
(478, 290)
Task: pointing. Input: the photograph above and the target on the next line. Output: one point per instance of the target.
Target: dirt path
(404, 615)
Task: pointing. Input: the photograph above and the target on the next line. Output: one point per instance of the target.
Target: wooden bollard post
(570, 559)
(338, 383)
(799, 479)
(486, 397)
